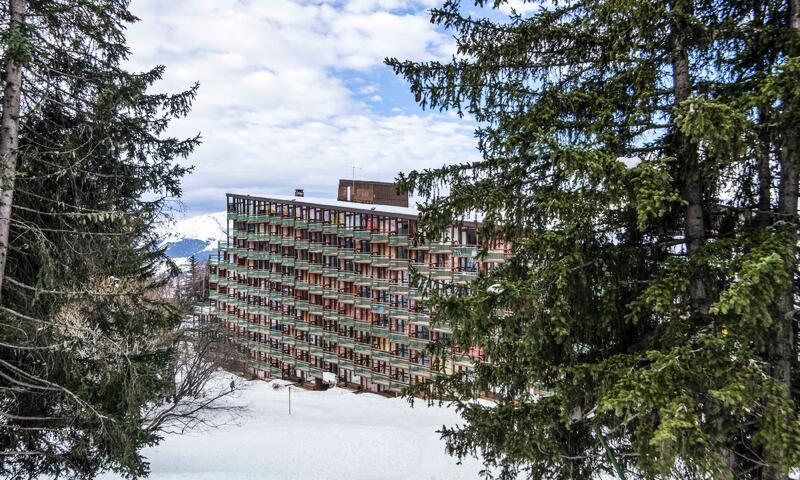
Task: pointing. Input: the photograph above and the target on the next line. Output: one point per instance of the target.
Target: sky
(293, 93)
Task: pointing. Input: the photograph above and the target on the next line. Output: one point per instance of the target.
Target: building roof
(406, 212)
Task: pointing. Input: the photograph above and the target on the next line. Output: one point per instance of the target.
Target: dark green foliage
(643, 321)
(85, 337)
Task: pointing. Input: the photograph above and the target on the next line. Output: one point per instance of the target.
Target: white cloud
(275, 108)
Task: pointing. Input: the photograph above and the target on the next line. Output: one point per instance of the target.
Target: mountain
(196, 236)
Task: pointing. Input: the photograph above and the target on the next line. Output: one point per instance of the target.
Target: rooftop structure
(319, 289)
(372, 192)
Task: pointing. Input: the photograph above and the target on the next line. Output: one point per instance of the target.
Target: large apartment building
(319, 289)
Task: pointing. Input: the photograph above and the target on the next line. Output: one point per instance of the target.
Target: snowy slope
(193, 236)
(330, 435)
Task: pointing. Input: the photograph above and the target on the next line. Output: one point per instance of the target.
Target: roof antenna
(353, 187)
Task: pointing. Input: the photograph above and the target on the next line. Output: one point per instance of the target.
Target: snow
(209, 227)
(330, 435)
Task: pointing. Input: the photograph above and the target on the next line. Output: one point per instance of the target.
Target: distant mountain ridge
(196, 236)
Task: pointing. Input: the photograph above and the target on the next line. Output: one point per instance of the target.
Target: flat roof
(405, 212)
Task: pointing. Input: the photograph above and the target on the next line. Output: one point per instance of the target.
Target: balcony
(314, 226)
(380, 261)
(494, 257)
(346, 298)
(398, 264)
(346, 276)
(301, 264)
(362, 302)
(346, 253)
(301, 244)
(398, 337)
(362, 257)
(441, 273)
(346, 321)
(301, 305)
(398, 288)
(464, 277)
(380, 238)
(330, 228)
(362, 280)
(380, 284)
(287, 222)
(417, 343)
(330, 272)
(362, 235)
(315, 289)
(398, 240)
(441, 247)
(400, 313)
(465, 251)
(314, 247)
(331, 293)
(314, 268)
(345, 232)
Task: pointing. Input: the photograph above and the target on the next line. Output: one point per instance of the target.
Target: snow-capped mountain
(196, 236)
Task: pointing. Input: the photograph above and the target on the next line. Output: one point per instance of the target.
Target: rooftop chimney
(298, 192)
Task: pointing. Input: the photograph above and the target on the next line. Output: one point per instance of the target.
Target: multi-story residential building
(319, 289)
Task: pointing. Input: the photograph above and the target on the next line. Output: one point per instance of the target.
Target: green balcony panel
(346, 298)
(398, 264)
(314, 226)
(380, 238)
(315, 289)
(345, 232)
(441, 247)
(362, 235)
(398, 240)
(362, 257)
(363, 302)
(301, 265)
(398, 337)
(346, 276)
(380, 261)
(464, 277)
(314, 268)
(330, 293)
(330, 272)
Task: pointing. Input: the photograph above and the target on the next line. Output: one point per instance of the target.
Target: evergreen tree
(642, 158)
(86, 342)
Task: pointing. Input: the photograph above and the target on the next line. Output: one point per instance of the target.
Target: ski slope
(334, 434)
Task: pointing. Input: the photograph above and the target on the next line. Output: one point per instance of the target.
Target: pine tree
(632, 152)
(87, 344)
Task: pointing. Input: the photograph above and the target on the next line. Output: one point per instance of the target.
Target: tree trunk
(9, 137)
(782, 351)
(691, 188)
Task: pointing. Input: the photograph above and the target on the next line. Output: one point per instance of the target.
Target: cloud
(287, 89)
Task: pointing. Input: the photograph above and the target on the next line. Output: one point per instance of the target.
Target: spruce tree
(86, 341)
(642, 159)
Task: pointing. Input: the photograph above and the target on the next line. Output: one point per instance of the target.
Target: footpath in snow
(334, 434)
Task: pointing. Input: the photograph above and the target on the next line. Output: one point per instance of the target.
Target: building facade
(320, 289)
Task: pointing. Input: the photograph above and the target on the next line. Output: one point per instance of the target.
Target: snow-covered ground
(334, 434)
